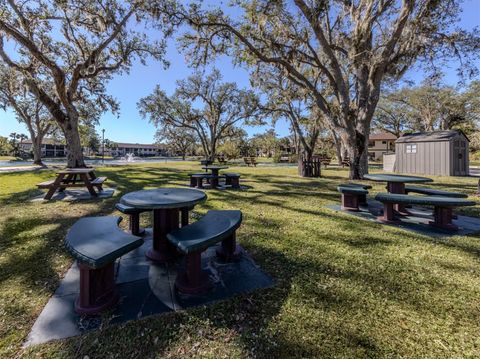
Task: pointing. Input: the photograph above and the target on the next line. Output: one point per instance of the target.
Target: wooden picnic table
(166, 204)
(74, 177)
(396, 184)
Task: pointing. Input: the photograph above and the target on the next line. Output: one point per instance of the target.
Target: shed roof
(433, 136)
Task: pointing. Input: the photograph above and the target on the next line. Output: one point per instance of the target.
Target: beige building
(380, 144)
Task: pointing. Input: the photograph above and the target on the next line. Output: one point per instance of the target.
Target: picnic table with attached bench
(396, 184)
(73, 177)
(167, 204)
(214, 176)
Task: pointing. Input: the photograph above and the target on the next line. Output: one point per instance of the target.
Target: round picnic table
(215, 173)
(166, 204)
(396, 184)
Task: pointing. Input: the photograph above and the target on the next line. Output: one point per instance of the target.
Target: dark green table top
(381, 177)
(215, 167)
(163, 198)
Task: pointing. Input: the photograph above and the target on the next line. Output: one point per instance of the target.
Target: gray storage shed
(443, 153)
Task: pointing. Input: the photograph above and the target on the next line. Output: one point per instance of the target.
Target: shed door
(459, 158)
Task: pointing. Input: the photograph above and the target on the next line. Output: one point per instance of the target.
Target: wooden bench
(250, 161)
(192, 240)
(96, 242)
(345, 162)
(134, 218)
(97, 182)
(443, 207)
(221, 160)
(352, 196)
(325, 161)
(232, 179)
(433, 192)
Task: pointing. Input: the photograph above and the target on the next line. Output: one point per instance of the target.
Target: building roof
(382, 136)
(137, 145)
(433, 136)
(46, 141)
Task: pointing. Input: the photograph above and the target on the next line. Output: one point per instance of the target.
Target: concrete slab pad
(145, 289)
(416, 222)
(71, 195)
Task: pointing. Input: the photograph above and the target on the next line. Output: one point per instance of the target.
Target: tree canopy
(67, 51)
(204, 104)
(339, 52)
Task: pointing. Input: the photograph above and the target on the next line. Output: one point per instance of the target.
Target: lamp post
(103, 146)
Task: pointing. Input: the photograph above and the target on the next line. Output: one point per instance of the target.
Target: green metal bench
(442, 213)
(134, 218)
(96, 242)
(192, 240)
(352, 196)
(434, 192)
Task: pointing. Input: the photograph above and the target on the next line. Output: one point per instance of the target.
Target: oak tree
(75, 46)
(206, 105)
(340, 51)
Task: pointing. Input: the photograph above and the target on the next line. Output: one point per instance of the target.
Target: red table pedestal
(164, 221)
(399, 188)
(97, 289)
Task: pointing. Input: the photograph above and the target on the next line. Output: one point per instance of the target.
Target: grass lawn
(346, 287)
(9, 158)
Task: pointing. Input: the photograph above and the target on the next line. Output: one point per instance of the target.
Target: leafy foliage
(205, 105)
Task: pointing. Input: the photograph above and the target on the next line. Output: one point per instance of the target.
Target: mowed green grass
(345, 287)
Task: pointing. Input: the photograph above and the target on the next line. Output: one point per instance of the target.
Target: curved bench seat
(424, 200)
(443, 214)
(96, 242)
(232, 179)
(352, 196)
(361, 185)
(192, 240)
(434, 192)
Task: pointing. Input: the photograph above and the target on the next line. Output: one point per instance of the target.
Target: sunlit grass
(345, 287)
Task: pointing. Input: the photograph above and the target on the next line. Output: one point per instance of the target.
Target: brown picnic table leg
(442, 218)
(92, 177)
(398, 188)
(70, 178)
(53, 188)
(214, 180)
(89, 186)
(184, 216)
(164, 221)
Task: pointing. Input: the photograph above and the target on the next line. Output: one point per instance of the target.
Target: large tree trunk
(358, 153)
(338, 147)
(74, 147)
(37, 150)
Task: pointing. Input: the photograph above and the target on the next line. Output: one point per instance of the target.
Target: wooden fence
(312, 168)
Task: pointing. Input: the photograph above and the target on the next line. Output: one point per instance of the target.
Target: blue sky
(141, 81)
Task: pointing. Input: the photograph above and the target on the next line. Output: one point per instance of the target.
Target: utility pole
(103, 146)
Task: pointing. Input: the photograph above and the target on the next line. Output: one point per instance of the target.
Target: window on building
(411, 148)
